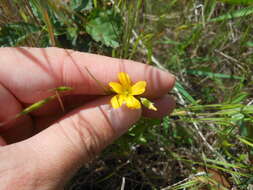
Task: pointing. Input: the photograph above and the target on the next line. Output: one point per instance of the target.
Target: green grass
(207, 45)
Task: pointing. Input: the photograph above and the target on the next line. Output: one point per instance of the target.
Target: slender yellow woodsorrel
(126, 91)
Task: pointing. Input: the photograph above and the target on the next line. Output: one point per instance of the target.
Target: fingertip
(170, 78)
(159, 82)
(2, 141)
(165, 82)
(164, 105)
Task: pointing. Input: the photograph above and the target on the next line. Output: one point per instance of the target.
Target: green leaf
(238, 98)
(81, 5)
(249, 44)
(166, 124)
(105, 27)
(15, 33)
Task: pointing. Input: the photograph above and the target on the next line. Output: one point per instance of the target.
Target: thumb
(79, 137)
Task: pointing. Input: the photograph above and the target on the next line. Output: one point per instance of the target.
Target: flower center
(127, 92)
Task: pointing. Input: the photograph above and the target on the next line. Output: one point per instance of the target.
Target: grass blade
(213, 75)
(184, 93)
(235, 14)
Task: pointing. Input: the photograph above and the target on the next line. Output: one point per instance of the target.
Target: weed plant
(207, 142)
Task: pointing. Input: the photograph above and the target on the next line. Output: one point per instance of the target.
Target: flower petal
(116, 87)
(132, 102)
(117, 101)
(138, 88)
(124, 79)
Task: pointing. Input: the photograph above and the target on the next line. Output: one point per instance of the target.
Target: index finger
(29, 73)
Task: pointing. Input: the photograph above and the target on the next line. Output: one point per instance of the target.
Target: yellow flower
(126, 92)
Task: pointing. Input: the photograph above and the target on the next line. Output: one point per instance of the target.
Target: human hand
(43, 149)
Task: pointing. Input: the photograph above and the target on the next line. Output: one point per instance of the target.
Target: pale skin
(43, 149)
